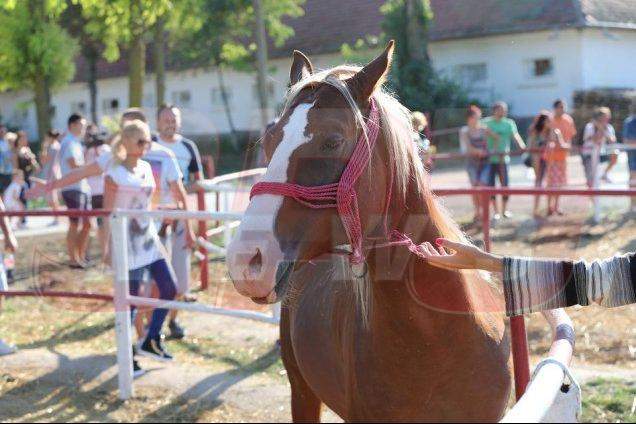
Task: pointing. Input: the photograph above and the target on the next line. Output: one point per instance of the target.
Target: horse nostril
(256, 263)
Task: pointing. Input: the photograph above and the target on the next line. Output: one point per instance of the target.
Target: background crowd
(551, 138)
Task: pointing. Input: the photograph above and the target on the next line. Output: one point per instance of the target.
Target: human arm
(41, 187)
(517, 138)
(180, 195)
(110, 191)
(531, 285)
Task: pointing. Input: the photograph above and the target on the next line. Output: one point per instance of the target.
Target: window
(217, 98)
(471, 73)
(181, 99)
(110, 106)
(78, 107)
(541, 68)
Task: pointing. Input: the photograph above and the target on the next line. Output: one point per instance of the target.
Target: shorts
(501, 170)
(631, 160)
(477, 172)
(76, 200)
(97, 202)
(180, 255)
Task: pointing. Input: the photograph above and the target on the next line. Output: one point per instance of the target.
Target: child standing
(14, 193)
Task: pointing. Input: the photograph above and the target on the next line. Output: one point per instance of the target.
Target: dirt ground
(229, 370)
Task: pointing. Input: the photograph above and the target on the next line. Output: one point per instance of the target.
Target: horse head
(300, 212)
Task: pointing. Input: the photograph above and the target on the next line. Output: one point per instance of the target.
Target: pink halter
(340, 195)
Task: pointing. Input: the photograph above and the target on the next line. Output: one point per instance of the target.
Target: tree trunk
(42, 105)
(91, 59)
(159, 57)
(226, 105)
(261, 63)
(137, 56)
(415, 31)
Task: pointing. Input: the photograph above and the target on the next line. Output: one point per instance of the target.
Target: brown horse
(393, 339)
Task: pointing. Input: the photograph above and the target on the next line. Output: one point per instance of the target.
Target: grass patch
(609, 400)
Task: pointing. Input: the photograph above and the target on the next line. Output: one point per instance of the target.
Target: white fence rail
(123, 300)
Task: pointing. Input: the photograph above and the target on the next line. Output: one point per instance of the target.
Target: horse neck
(420, 284)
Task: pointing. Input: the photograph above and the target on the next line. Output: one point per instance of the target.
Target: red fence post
(203, 233)
(519, 339)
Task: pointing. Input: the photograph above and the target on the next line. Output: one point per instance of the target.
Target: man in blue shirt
(629, 139)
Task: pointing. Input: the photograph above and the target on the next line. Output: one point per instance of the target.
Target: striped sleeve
(532, 285)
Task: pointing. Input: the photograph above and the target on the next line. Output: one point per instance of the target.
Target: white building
(526, 52)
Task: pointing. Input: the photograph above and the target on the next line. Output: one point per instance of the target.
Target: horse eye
(333, 142)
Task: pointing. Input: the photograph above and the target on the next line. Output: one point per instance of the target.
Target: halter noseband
(341, 195)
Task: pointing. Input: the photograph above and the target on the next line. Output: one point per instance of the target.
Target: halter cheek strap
(342, 195)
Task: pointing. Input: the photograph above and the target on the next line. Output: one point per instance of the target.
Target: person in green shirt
(507, 131)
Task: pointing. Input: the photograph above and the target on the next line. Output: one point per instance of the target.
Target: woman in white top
(597, 135)
(129, 184)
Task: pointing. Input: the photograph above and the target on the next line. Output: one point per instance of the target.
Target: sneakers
(6, 349)
(153, 348)
(176, 331)
(137, 370)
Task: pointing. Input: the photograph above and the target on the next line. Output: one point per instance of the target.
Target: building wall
(195, 91)
(609, 59)
(509, 61)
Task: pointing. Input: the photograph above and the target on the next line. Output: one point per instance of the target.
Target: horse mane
(397, 128)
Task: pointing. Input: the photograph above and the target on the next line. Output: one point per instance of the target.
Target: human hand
(464, 256)
(37, 190)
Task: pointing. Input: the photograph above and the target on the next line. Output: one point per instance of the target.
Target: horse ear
(301, 67)
(364, 83)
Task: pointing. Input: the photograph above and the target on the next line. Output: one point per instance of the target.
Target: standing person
(6, 159)
(26, 161)
(629, 139)
(129, 184)
(13, 195)
(49, 158)
(95, 146)
(422, 143)
(562, 121)
(10, 246)
(506, 129)
(541, 133)
(76, 196)
(473, 140)
(189, 160)
(556, 155)
(596, 135)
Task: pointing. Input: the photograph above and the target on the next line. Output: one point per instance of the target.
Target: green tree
(89, 35)
(221, 36)
(128, 24)
(35, 52)
(413, 77)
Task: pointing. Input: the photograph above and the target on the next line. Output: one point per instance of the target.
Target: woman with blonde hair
(130, 184)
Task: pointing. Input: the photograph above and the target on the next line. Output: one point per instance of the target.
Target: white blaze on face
(257, 226)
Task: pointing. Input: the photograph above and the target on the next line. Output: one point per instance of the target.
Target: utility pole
(261, 61)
